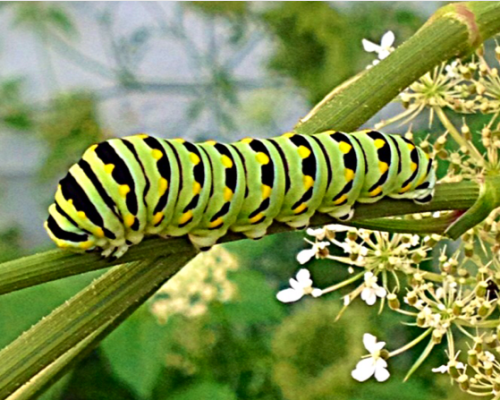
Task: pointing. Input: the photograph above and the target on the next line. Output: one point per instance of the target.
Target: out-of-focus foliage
(14, 113)
(9, 243)
(68, 127)
(318, 43)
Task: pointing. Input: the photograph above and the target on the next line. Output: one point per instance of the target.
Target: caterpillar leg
(343, 213)
(255, 234)
(299, 222)
(202, 243)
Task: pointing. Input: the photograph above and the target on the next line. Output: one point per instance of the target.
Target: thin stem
(409, 345)
(474, 153)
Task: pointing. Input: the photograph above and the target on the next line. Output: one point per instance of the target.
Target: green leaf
(256, 302)
(135, 351)
(205, 391)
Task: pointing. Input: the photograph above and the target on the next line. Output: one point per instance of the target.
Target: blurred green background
(73, 74)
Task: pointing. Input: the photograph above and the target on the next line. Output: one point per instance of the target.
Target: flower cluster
(455, 295)
(193, 288)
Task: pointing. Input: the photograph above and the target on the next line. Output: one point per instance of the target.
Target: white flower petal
(369, 296)
(383, 54)
(318, 233)
(388, 39)
(377, 347)
(443, 369)
(369, 341)
(380, 363)
(289, 295)
(380, 291)
(364, 370)
(370, 47)
(381, 374)
(303, 277)
(295, 285)
(316, 292)
(305, 255)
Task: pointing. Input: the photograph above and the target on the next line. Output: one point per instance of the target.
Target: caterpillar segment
(124, 189)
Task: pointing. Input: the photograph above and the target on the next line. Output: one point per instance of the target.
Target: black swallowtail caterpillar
(124, 189)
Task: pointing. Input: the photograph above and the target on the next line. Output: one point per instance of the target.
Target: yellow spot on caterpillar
(211, 142)
(157, 218)
(215, 224)
(246, 140)
(108, 168)
(70, 202)
(405, 189)
(228, 194)
(93, 147)
(266, 191)
(376, 191)
(304, 152)
(226, 161)
(162, 186)
(196, 188)
(288, 134)
(379, 143)
(178, 140)
(345, 147)
(411, 146)
(81, 215)
(85, 245)
(413, 167)
(308, 181)
(157, 154)
(349, 174)
(383, 167)
(340, 200)
(427, 155)
(194, 158)
(259, 217)
(262, 158)
(99, 232)
(141, 136)
(185, 217)
(129, 220)
(124, 190)
(300, 208)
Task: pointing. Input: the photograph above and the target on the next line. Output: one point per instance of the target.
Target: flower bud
(411, 298)
(478, 344)
(453, 370)
(437, 336)
(492, 341)
(480, 51)
(393, 301)
(496, 385)
(466, 132)
(463, 382)
(488, 368)
(352, 235)
(468, 250)
(484, 310)
(481, 289)
(472, 357)
(497, 52)
(458, 307)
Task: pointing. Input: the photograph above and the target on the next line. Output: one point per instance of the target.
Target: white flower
(372, 290)
(300, 286)
(318, 233)
(305, 255)
(373, 365)
(443, 369)
(385, 47)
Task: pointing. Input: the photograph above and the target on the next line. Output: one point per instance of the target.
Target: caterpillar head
(66, 234)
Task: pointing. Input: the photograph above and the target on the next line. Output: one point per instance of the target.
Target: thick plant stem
(118, 291)
(455, 30)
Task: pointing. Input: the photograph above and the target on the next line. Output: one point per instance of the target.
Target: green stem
(115, 293)
(56, 264)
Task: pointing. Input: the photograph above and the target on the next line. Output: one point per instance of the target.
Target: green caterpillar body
(124, 189)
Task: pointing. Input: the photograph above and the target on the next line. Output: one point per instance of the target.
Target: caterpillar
(123, 189)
